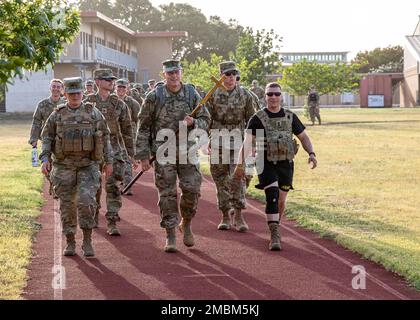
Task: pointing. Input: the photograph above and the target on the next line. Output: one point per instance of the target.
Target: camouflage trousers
(128, 169)
(230, 192)
(314, 113)
(76, 189)
(189, 182)
(113, 191)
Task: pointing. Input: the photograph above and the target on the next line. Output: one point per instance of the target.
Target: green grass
(20, 202)
(364, 194)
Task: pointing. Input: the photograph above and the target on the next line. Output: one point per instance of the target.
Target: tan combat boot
(87, 243)
(225, 223)
(239, 222)
(185, 228)
(170, 245)
(112, 229)
(70, 249)
(275, 244)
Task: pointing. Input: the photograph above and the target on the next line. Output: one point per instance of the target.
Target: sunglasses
(270, 94)
(231, 73)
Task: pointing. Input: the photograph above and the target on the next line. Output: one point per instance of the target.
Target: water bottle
(35, 162)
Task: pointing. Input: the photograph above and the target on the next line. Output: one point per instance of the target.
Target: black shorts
(282, 172)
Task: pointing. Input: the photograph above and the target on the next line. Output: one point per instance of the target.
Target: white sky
(321, 25)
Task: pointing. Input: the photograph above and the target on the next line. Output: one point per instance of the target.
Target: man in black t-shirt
(275, 162)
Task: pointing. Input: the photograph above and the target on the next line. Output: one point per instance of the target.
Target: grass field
(20, 201)
(363, 195)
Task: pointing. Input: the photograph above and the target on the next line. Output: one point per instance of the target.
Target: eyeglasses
(270, 94)
(108, 80)
(231, 73)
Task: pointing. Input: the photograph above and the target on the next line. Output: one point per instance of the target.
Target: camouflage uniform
(313, 103)
(118, 120)
(76, 139)
(259, 92)
(163, 110)
(42, 112)
(134, 108)
(231, 111)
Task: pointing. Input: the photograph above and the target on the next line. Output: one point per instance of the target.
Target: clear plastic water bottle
(35, 162)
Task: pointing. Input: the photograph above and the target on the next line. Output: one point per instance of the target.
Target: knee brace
(272, 199)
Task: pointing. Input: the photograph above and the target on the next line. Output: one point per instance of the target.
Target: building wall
(24, 95)
(410, 87)
(152, 51)
(62, 71)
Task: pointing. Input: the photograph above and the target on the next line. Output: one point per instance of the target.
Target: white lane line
(58, 281)
(333, 255)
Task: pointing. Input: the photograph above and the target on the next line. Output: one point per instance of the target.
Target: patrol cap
(171, 65)
(73, 85)
(151, 81)
(254, 82)
(89, 82)
(138, 86)
(121, 83)
(104, 74)
(226, 66)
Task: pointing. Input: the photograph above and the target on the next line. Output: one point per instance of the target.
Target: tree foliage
(328, 78)
(390, 59)
(32, 34)
(205, 36)
(257, 55)
(199, 72)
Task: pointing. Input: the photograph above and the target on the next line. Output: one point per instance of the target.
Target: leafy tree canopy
(32, 34)
(389, 59)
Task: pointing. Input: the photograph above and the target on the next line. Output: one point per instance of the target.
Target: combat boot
(225, 223)
(238, 221)
(87, 243)
(170, 245)
(275, 244)
(185, 228)
(112, 229)
(70, 249)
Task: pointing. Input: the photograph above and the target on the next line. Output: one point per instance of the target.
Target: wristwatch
(312, 153)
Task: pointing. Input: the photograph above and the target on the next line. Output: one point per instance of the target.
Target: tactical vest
(109, 110)
(76, 136)
(229, 113)
(279, 141)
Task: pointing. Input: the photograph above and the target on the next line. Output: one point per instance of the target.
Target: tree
(199, 72)
(327, 78)
(256, 55)
(32, 34)
(390, 59)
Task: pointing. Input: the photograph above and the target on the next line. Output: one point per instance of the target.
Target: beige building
(101, 43)
(410, 86)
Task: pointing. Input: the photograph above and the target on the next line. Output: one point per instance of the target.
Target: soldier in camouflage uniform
(151, 83)
(118, 119)
(171, 102)
(259, 92)
(122, 91)
(140, 89)
(76, 137)
(313, 103)
(44, 109)
(89, 88)
(229, 110)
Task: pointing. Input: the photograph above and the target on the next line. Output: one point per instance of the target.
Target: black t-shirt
(255, 122)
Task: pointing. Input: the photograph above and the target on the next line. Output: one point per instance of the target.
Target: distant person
(259, 92)
(200, 91)
(89, 88)
(44, 109)
(152, 84)
(313, 103)
(276, 177)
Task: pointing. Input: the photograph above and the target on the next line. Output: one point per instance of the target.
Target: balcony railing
(102, 54)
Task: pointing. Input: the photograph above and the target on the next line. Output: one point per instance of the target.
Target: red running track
(223, 265)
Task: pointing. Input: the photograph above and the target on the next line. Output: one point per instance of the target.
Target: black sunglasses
(270, 94)
(231, 73)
